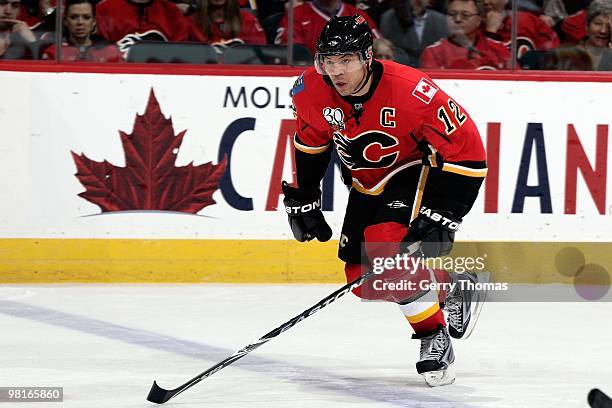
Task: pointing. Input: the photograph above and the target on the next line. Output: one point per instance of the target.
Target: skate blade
(477, 304)
(439, 378)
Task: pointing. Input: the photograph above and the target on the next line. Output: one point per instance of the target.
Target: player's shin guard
(423, 314)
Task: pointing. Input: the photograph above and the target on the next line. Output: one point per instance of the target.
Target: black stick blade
(158, 395)
(597, 399)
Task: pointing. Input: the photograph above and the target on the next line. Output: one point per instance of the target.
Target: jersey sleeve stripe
(464, 171)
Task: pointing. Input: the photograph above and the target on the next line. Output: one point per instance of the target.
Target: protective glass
(334, 64)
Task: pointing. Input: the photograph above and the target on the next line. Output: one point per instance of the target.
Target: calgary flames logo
(368, 150)
(126, 42)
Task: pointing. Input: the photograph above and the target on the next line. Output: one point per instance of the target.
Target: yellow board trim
(256, 261)
(430, 311)
(168, 260)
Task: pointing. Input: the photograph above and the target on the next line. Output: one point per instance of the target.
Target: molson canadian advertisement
(177, 178)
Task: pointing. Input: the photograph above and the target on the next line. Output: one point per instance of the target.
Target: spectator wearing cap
(466, 47)
(411, 26)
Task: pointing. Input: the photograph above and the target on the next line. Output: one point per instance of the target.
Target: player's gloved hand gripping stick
(433, 232)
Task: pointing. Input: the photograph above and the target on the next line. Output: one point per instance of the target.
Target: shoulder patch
(425, 90)
(298, 85)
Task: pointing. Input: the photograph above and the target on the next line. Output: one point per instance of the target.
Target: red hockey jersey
(531, 34)
(574, 27)
(309, 22)
(486, 54)
(125, 23)
(251, 31)
(378, 138)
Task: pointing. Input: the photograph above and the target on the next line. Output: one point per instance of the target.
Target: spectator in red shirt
(467, 47)
(129, 21)
(574, 27)
(79, 44)
(16, 38)
(310, 18)
(532, 32)
(222, 21)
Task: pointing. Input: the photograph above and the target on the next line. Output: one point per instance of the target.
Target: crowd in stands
(431, 34)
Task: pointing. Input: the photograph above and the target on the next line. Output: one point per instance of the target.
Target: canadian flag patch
(425, 90)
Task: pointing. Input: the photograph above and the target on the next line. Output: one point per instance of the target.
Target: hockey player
(415, 161)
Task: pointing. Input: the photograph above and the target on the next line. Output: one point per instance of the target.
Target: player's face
(346, 72)
(599, 30)
(80, 20)
(8, 10)
(462, 17)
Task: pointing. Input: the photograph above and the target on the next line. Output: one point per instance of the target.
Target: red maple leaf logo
(150, 180)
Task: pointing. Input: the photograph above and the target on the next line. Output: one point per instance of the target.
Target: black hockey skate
(437, 357)
(464, 303)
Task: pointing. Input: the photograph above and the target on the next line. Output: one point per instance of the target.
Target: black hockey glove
(305, 217)
(433, 231)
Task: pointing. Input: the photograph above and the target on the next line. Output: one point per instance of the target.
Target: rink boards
(546, 194)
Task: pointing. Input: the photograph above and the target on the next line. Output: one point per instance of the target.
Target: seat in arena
(172, 52)
(266, 55)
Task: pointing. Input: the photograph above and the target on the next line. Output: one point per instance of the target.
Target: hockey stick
(597, 399)
(159, 395)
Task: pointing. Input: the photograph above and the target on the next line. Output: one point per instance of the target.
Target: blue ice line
(368, 389)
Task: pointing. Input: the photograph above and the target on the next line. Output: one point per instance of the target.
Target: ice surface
(105, 344)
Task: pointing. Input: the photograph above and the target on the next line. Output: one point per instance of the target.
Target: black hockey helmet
(345, 35)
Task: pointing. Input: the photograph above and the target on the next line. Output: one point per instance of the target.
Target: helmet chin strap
(365, 81)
